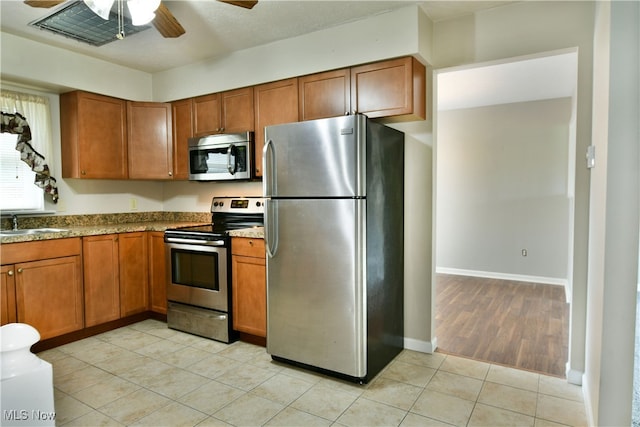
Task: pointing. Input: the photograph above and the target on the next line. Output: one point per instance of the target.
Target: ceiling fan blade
(247, 4)
(43, 3)
(166, 23)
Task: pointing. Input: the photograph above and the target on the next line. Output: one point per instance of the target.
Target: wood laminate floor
(517, 324)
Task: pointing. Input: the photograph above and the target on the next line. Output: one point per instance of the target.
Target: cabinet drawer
(248, 247)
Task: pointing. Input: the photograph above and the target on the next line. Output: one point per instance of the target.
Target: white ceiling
(214, 28)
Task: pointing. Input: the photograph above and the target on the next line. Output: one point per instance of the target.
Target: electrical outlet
(524, 252)
(133, 204)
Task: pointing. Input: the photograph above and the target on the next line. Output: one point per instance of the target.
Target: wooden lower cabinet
(116, 280)
(157, 272)
(49, 295)
(7, 295)
(101, 280)
(249, 286)
(42, 286)
(134, 273)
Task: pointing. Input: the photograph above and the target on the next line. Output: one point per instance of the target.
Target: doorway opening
(504, 210)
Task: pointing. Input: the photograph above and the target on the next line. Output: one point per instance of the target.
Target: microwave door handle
(231, 167)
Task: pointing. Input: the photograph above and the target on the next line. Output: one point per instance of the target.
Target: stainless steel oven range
(199, 273)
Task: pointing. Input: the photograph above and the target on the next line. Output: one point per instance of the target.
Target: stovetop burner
(227, 214)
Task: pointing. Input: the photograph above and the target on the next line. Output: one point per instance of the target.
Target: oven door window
(195, 269)
(229, 159)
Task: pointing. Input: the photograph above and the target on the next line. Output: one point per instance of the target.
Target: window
(17, 187)
(25, 120)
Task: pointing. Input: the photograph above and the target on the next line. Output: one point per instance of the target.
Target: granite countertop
(93, 225)
(252, 233)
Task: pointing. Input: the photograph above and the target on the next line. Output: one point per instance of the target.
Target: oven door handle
(195, 242)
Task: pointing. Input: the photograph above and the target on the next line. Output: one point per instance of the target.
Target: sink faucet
(14, 218)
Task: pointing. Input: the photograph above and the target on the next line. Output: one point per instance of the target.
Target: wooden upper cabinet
(206, 115)
(237, 110)
(93, 132)
(275, 103)
(150, 140)
(324, 94)
(182, 118)
(225, 112)
(390, 88)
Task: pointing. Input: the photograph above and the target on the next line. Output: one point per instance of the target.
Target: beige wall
(503, 187)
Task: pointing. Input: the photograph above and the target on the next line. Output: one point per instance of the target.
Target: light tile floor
(148, 375)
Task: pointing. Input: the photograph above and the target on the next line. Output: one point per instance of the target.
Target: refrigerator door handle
(268, 168)
(271, 227)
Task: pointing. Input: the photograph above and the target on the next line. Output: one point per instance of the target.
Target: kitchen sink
(25, 231)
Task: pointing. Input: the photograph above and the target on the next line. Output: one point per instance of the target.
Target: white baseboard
(421, 346)
(503, 276)
(573, 376)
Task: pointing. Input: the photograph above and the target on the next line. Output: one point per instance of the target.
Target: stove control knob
(258, 204)
(215, 204)
(221, 204)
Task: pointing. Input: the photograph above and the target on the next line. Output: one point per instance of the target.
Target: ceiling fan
(164, 21)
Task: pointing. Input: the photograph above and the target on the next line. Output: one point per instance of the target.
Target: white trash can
(27, 380)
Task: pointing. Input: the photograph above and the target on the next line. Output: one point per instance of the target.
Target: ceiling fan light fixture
(102, 8)
(142, 11)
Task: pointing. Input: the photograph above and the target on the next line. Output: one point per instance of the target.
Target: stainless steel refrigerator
(334, 237)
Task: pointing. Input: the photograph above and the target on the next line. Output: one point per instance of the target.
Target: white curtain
(35, 109)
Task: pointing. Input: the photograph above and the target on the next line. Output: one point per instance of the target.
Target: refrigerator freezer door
(315, 283)
(317, 158)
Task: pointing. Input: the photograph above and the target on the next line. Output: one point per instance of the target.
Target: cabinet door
(206, 115)
(237, 110)
(182, 118)
(324, 95)
(49, 295)
(157, 272)
(150, 140)
(133, 269)
(7, 295)
(390, 88)
(101, 279)
(249, 286)
(249, 295)
(93, 136)
(275, 103)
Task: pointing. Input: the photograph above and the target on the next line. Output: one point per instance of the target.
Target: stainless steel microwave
(221, 157)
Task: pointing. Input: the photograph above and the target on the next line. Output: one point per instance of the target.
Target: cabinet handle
(10, 273)
(115, 239)
(170, 173)
(20, 270)
(83, 172)
(250, 242)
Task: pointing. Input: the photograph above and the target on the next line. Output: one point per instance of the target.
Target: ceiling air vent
(77, 21)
